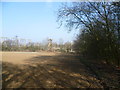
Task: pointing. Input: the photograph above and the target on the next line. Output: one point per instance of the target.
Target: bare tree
(98, 22)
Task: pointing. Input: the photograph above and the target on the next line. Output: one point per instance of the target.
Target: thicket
(99, 25)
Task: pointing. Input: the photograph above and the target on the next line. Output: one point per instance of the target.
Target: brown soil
(45, 70)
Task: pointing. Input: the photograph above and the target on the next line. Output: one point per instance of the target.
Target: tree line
(99, 26)
(17, 44)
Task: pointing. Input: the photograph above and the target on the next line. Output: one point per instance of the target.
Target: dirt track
(45, 70)
(21, 57)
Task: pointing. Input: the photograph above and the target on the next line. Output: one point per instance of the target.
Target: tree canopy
(99, 24)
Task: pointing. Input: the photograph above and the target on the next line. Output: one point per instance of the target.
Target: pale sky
(33, 20)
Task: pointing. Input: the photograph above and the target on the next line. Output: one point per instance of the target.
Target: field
(53, 70)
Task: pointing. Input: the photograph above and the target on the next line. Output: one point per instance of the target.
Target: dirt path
(21, 57)
(47, 70)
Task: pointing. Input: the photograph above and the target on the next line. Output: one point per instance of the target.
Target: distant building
(56, 49)
(49, 44)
